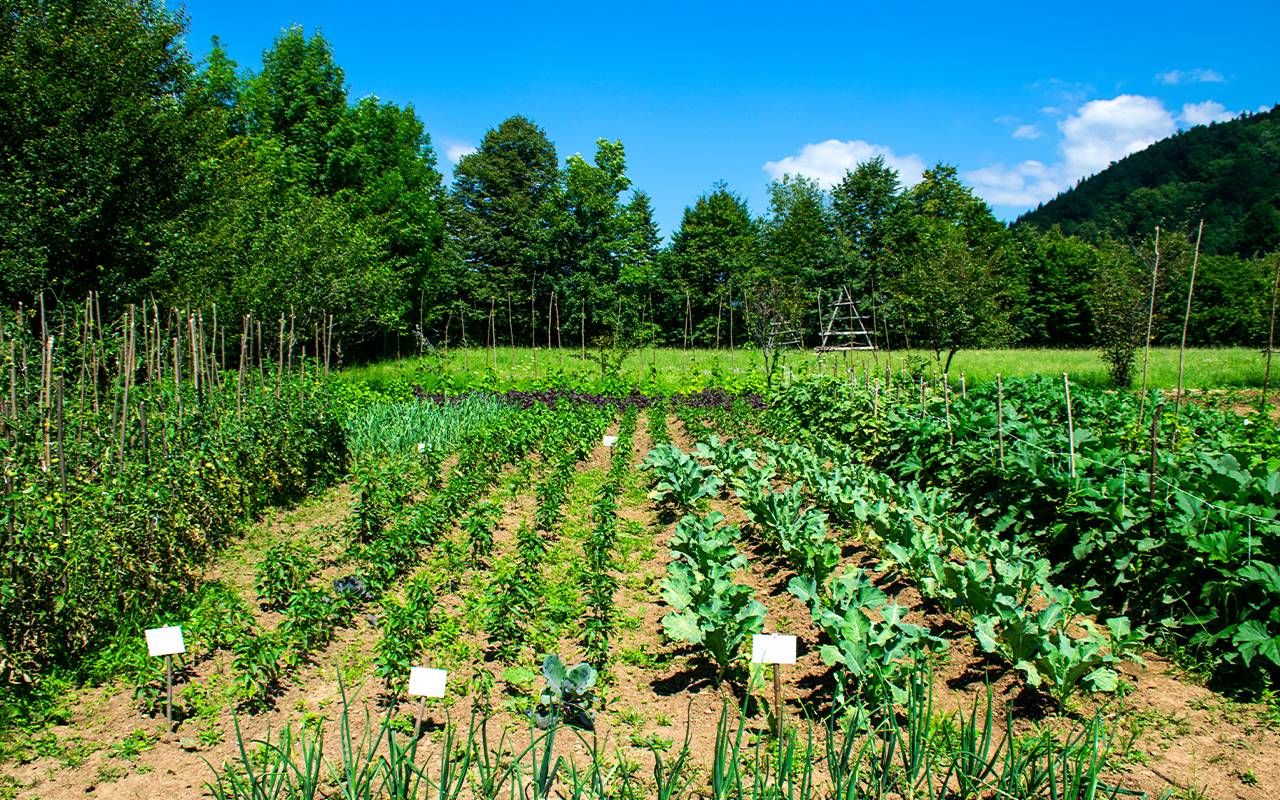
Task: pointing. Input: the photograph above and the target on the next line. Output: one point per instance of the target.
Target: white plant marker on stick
(425, 682)
(775, 649)
(166, 642)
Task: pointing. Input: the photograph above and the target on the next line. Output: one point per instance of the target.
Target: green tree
(218, 89)
(94, 144)
(592, 235)
(712, 252)
(947, 295)
(1120, 295)
(1061, 272)
(800, 236)
(299, 98)
(383, 170)
(946, 262)
(504, 197)
(639, 271)
(861, 205)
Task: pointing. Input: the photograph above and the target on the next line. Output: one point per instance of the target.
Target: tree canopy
(129, 170)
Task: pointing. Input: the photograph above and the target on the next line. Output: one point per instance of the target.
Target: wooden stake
(1151, 312)
(417, 725)
(1186, 320)
(168, 681)
(946, 401)
(1000, 418)
(1271, 340)
(777, 702)
(1071, 431)
(1151, 476)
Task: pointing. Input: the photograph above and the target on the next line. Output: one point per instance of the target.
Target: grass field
(669, 370)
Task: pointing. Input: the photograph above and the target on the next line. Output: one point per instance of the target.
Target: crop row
(1171, 514)
(1003, 590)
(602, 583)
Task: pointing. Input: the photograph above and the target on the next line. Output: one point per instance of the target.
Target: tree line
(130, 170)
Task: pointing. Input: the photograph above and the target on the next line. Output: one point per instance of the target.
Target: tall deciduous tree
(382, 168)
(593, 232)
(800, 235)
(861, 205)
(299, 98)
(1120, 294)
(94, 144)
(946, 266)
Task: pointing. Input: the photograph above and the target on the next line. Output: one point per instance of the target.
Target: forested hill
(1227, 173)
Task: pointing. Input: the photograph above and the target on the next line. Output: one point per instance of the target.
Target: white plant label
(426, 682)
(610, 441)
(773, 648)
(165, 641)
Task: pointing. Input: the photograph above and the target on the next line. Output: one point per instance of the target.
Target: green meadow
(673, 370)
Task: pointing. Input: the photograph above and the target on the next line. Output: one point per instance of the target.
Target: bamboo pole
(1151, 312)
(1000, 419)
(280, 357)
(1071, 430)
(1186, 320)
(1271, 340)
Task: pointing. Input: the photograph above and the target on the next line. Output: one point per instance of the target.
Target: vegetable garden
(995, 594)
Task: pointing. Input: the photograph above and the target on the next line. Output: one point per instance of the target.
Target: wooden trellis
(846, 329)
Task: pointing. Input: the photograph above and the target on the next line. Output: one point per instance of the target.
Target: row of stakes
(425, 682)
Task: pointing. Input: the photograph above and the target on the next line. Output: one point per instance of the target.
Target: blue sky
(1023, 100)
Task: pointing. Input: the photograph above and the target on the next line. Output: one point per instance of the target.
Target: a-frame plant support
(846, 329)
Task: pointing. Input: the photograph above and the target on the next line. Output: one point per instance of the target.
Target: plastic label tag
(773, 648)
(426, 682)
(165, 641)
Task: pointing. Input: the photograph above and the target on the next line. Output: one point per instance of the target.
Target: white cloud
(1200, 75)
(827, 161)
(1098, 133)
(1025, 184)
(1026, 132)
(454, 151)
(1103, 131)
(1205, 113)
(1005, 119)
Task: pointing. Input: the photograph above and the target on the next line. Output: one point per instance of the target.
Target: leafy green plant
(405, 628)
(257, 670)
(569, 695)
(867, 635)
(679, 478)
(218, 620)
(709, 608)
(479, 526)
(285, 568)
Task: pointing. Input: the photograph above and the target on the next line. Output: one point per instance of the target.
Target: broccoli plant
(568, 697)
